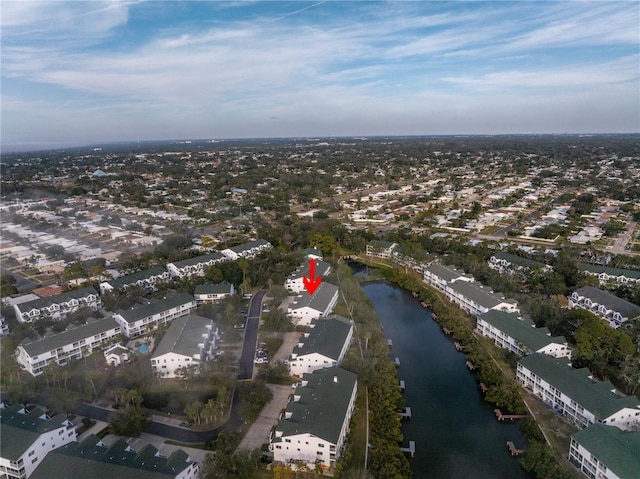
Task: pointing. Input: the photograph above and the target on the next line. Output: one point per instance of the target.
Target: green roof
(69, 336)
(199, 259)
(382, 244)
(138, 276)
(520, 329)
(210, 288)
(142, 311)
(323, 405)
(313, 251)
(478, 294)
(326, 336)
(58, 299)
(321, 269)
(19, 431)
(183, 336)
(91, 460)
(519, 260)
(595, 397)
(592, 268)
(447, 273)
(320, 299)
(241, 248)
(618, 450)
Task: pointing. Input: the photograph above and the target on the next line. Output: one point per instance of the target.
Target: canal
(455, 430)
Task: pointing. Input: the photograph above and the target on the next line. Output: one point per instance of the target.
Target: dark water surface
(456, 432)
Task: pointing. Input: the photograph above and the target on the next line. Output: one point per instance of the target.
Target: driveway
(251, 336)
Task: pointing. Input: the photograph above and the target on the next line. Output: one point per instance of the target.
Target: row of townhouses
(57, 307)
(608, 446)
(37, 446)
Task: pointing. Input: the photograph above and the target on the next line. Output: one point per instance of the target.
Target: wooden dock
(401, 386)
(396, 361)
(459, 347)
(508, 417)
(425, 305)
(471, 366)
(513, 450)
(483, 387)
(446, 331)
(389, 343)
(406, 414)
(414, 294)
(434, 316)
(411, 449)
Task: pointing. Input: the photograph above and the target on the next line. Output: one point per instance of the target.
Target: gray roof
(592, 268)
(322, 406)
(480, 295)
(57, 299)
(381, 244)
(618, 450)
(313, 251)
(69, 336)
(20, 431)
(625, 308)
(521, 329)
(183, 336)
(135, 277)
(447, 273)
(326, 337)
(199, 259)
(210, 288)
(321, 269)
(320, 299)
(142, 311)
(241, 248)
(596, 397)
(88, 460)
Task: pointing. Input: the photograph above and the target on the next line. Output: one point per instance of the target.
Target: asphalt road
(251, 336)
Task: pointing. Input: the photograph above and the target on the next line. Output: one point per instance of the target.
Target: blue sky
(86, 72)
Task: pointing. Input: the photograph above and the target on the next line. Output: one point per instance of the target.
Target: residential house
(323, 345)
(74, 343)
(28, 436)
(117, 354)
(195, 266)
(606, 452)
(145, 279)
(247, 250)
(312, 253)
(601, 303)
(211, 293)
(92, 459)
(307, 307)
(519, 335)
(315, 424)
(142, 319)
(606, 274)
(294, 281)
(575, 394)
(58, 306)
(190, 340)
(509, 263)
(380, 249)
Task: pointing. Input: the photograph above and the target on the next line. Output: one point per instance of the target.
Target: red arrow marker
(310, 283)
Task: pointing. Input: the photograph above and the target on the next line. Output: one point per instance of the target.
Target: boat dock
(459, 347)
(471, 366)
(513, 450)
(483, 387)
(411, 449)
(397, 362)
(406, 414)
(389, 343)
(446, 331)
(510, 417)
(424, 305)
(401, 386)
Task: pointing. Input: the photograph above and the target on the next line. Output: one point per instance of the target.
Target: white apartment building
(211, 293)
(315, 424)
(143, 319)
(519, 335)
(247, 250)
(75, 343)
(295, 282)
(601, 303)
(190, 340)
(380, 249)
(307, 307)
(575, 394)
(58, 306)
(28, 436)
(145, 279)
(195, 266)
(606, 452)
(323, 345)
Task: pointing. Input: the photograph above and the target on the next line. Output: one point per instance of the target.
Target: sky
(77, 73)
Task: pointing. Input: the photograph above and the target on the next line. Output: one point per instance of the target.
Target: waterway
(455, 430)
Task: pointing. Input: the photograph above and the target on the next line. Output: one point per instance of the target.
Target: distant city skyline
(78, 73)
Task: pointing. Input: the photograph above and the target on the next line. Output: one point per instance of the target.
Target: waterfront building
(190, 340)
(93, 459)
(307, 307)
(315, 424)
(28, 436)
(324, 344)
(74, 343)
(519, 335)
(604, 304)
(294, 281)
(575, 394)
(142, 319)
(380, 249)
